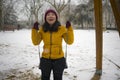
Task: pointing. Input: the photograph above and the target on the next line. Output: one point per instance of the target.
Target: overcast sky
(78, 1)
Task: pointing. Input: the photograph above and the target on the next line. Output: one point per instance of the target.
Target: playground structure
(115, 4)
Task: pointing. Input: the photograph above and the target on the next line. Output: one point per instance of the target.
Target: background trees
(25, 12)
(8, 13)
(31, 9)
(1, 20)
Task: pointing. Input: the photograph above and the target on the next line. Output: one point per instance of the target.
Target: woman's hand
(68, 24)
(35, 26)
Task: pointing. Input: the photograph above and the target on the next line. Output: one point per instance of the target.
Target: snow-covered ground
(19, 58)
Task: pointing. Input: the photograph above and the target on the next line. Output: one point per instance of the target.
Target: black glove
(35, 26)
(68, 24)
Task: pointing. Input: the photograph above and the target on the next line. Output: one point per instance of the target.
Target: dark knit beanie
(50, 10)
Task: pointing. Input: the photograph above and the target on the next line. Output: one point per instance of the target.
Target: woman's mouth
(51, 19)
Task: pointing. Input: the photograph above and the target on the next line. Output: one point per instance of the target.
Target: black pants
(57, 65)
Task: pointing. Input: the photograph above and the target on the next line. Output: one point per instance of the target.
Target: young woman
(52, 33)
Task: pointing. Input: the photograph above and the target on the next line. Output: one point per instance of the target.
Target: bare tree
(7, 13)
(10, 16)
(1, 19)
(59, 5)
(108, 18)
(31, 9)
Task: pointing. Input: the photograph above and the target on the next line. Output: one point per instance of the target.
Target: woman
(52, 33)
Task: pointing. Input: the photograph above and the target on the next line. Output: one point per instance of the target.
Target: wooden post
(115, 4)
(99, 36)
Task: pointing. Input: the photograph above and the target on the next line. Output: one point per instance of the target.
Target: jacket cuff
(70, 28)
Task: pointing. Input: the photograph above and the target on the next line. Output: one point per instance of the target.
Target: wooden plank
(115, 4)
(99, 35)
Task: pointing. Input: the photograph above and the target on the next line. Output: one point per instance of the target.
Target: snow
(19, 58)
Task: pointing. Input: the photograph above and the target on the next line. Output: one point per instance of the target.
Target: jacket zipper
(50, 43)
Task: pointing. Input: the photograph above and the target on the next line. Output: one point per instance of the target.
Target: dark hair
(54, 28)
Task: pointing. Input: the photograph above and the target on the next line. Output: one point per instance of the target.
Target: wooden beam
(115, 4)
(99, 35)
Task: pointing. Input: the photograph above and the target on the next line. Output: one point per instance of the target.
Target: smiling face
(51, 18)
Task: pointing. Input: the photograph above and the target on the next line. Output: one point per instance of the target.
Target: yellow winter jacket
(52, 48)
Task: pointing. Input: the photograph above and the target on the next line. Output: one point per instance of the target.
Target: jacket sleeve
(69, 36)
(36, 36)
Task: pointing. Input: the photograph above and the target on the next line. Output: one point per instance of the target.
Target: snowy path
(19, 58)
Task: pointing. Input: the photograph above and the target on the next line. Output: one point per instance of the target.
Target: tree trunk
(1, 21)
